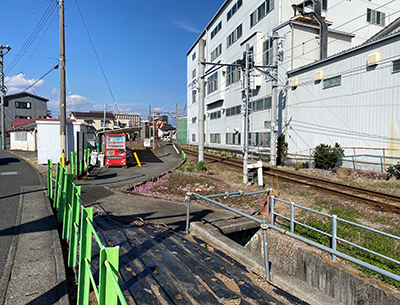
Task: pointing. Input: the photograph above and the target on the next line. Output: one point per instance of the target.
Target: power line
(97, 56)
(45, 18)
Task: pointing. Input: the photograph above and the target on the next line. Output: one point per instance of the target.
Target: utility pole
(63, 119)
(246, 113)
(176, 133)
(3, 91)
(104, 117)
(274, 100)
(201, 100)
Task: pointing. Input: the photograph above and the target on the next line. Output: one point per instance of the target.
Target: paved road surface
(14, 173)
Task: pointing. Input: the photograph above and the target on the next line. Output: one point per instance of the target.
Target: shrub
(281, 150)
(394, 170)
(306, 165)
(201, 166)
(327, 157)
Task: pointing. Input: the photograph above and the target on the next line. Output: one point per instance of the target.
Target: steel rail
(392, 207)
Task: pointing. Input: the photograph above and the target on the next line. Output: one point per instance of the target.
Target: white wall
(23, 140)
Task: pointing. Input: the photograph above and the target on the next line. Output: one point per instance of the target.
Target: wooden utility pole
(63, 118)
(3, 91)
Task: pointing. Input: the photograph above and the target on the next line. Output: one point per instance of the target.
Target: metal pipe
(334, 235)
(266, 259)
(188, 215)
(226, 207)
(339, 254)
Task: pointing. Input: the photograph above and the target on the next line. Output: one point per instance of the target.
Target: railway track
(379, 200)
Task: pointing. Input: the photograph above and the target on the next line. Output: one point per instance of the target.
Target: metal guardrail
(78, 229)
(333, 251)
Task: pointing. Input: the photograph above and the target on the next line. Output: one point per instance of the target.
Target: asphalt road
(14, 173)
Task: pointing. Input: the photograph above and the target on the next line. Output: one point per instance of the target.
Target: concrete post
(201, 101)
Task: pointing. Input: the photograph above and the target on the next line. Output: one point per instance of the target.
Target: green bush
(327, 157)
(281, 150)
(201, 166)
(394, 170)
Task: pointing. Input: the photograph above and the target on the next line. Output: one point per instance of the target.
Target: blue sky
(142, 48)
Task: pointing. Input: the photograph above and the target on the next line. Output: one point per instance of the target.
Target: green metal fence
(82, 165)
(78, 229)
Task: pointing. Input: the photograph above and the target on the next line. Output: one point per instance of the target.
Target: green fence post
(85, 257)
(63, 196)
(49, 179)
(74, 232)
(68, 206)
(107, 292)
(59, 179)
(81, 167)
(71, 162)
(76, 162)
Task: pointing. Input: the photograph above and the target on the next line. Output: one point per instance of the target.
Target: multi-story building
(127, 119)
(24, 105)
(305, 31)
(94, 118)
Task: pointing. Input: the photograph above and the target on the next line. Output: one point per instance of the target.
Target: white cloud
(187, 27)
(74, 102)
(19, 82)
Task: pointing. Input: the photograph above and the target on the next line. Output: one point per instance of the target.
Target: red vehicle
(115, 150)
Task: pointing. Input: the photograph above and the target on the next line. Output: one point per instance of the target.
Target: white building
(352, 98)
(238, 23)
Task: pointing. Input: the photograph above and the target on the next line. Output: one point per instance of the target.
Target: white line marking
(9, 173)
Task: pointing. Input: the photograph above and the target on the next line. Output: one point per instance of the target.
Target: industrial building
(304, 33)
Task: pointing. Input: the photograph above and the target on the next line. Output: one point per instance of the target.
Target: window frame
(23, 105)
(396, 62)
(327, 85)
(212, 83)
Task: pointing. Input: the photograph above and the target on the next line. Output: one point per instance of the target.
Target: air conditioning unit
(318, 76)
(373, 59)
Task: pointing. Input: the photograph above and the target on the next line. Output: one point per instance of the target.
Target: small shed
(24, 137)
(49, 139)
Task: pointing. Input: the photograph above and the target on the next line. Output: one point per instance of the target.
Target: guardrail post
(71, 163)
(68, 206)
(334, 235)
(107, 293)
(76, 163)
(272, 202)
(85, 257)
(63, 194)
(49, 179)
(74, 229)
(57, 190)
(188, 215)
(265, 241)
(292, 217)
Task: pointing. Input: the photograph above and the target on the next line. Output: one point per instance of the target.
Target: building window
(89, 122)
(259, 139)
(107, 124)
(233, 73)
(232, 138)
(194, 73)
(234, 9)
(5, 103)
(194, 56)
(194, 93)
(325, 5)
(375, 17)
(212, 82)
(193, 137)
(332, 82)
(194, 120)
(261, 11)
(267, 52)
(215, 138)
(216, 29)
(261, 104)
(23, 105)
(215, 115)
(396, 66)
(235, 35)
(235, 110)
(23, 117)
(217, 52)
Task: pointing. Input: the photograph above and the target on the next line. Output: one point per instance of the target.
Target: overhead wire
(97, 57)
(42, 22)
(39, 79)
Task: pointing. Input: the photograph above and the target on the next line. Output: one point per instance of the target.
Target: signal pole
(274, 102)
(246, 114)
(63, 119)
(201, 101)
(3, 91)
